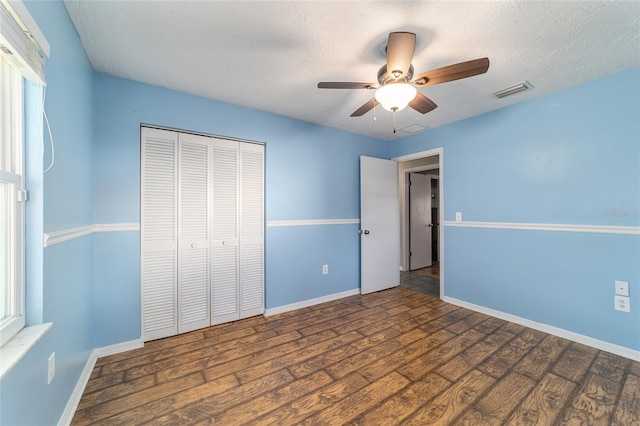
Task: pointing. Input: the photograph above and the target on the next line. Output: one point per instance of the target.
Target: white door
(194, 201)
(379, 229)
(420, 223)
(158, 233)
(251, 275)
(225, 229)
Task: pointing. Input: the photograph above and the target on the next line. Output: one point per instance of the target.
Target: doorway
(426, 279)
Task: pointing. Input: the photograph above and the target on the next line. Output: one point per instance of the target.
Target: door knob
(365, 232)
(194, 245)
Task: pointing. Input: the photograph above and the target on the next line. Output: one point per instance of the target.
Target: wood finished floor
(393, 357)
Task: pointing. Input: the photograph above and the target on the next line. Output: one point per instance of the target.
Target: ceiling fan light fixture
(395, 96)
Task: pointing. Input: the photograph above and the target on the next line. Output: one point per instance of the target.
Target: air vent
(413, 128)
(516, 88)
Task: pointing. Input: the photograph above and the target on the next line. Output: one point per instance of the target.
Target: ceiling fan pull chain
(374, 109)
(394, 120)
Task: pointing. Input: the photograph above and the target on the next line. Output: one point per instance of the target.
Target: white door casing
(420, 223)
(379, 225)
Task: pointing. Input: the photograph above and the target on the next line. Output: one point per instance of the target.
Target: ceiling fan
(396, 86)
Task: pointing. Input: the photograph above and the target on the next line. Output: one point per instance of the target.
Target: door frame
(403, 195)
(420, 254)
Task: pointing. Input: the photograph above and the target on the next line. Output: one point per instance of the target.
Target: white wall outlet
(458, 216)
(325, 269)
(622, 288)
(622, 304)
(51, 367)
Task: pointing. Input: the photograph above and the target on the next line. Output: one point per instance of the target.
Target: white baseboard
(117, 348)
(565, 334)
(74, 400)
(310, 302)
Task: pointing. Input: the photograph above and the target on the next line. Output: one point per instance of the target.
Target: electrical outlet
(51, 367)
(325, 269)
(622, 288)
(622, 303)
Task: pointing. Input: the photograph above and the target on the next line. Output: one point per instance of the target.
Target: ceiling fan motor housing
(385, 78)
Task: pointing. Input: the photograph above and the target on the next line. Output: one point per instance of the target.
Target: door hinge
(22, 196)
(410, 254)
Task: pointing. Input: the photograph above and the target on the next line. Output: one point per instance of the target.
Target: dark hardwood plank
(595, 403)
(460, 365)
(96, 413)
(392, 362)
(494, 407)
(205, 408)
(538, 361)
(509, 355)
(401, 405)
(391, 357)
(161, 406)
(544, 404)
(246, 412)
(360, 401)
(421, 365)
(575, 362)
(301, 408)
(628, 408)
(446, 407)
(336, 354)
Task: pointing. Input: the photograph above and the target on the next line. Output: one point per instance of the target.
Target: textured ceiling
(270, 55)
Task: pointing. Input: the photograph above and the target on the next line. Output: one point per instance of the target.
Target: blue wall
(62, 292)
(312, 172)
(569, 158)
(572, 157)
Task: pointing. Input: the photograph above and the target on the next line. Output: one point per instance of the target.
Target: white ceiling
(270, 55)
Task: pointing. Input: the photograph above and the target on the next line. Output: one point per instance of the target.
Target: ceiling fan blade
(400, 47)
(345, 85)
(364, 108)
(453, 72)
(422, 104)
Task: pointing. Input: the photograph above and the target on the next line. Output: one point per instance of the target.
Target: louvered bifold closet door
(194, 183)
(224, 245)
(158, 233)
(252, 230)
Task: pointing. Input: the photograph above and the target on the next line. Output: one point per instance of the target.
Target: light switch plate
(622, 288)
(458, 216)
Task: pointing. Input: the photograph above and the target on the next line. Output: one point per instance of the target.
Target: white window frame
(23, 49)
(12, 174)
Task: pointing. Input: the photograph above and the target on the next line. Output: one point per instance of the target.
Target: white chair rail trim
(311, 222)
(598, 229)
(56, 237)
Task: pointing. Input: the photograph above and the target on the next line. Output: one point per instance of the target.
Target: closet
(202, 231)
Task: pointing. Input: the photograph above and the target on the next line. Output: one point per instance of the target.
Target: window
(23, 50)
(11, 202)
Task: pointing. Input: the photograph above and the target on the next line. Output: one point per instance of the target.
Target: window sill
(17, 348)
